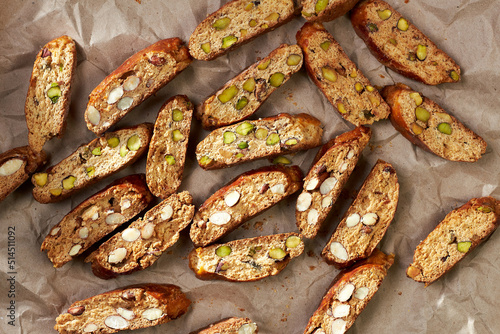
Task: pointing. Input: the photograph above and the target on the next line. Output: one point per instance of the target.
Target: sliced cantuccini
(167, 150)
(367, 219)
(139, 77)
(256, 139)
(330, 170)
(240, 200)
(128, 308)
(243, 95)
(230, 326)
(325, 10)
(424, 123)
(350, 293)
(96, 217)
(236, 23)
(145, 240)
(456, 235)
(49, 93)
(91, 162)
(399, 45)
(343, 84)
(246, 259)
(16, 166)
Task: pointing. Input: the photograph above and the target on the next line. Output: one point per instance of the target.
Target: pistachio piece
(10, 167)
(134, 143)
(177, 135)
(444, 128)
(249, 6)
(293, 59)
(370, 88)
(358, 87)
(228, 41)
(244, 128)
(372, 27)
(123, 151)
(454, 75)
(327, 185)
(242, 102)
(170, 159)
(464, 246)
(278, 189)
(320, 5)
(276, 79)
(341, 311)
(229, 137)
(346, 292)
(325, 45)
(206, 47)
(223, 251)
(339, 251)
(369, 219)
(220, 218)
(422, 114)
(97, 151)
(412, 56)
(116, 322)
(361, 293)
(393, 41)
(117, 255)
(239, 155)
(54, 92)
(292, 241)
(74, 250)
(69, 182)
(352, 220)
(304, 201)
(93, 115)
(264, 64)
(306, 14)
(273, 139)
(272, 17)
(312, 216)
(341, 108)
(221, 24)
(131, 234)
(384, 14)
(261, 133)
(232, 198)
(115, 219)
(444, 116)
(374, 101)
(421, 52)
(329, 74)
(249, 85)
(403, 24)
(281, 160)
(177, 115)
(205, 160)
(416, 129)
(252, 23)
(264, 26)
(484, 209)
(277, 253)
(243, 32)
(417, 98)
(228, 94)
(113, 142)
(131, 83)
(55, 192)
(115, 94)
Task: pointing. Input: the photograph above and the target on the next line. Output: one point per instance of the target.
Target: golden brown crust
(228, 326)
(55, 64)
(461, 144)
(343, 84)
(462, 230)
(31, 162)
(333, 10)
(397, 49)
(166, 52)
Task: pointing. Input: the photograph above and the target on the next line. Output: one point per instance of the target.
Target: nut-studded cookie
(330, 170)
(230, 326)
(139, 77)
(367, 219)
(424, 123)
(401, 46)
(241, 96)
(325, 10)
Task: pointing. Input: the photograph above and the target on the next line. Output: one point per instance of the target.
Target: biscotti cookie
(367, 219)
(343, 84)
(129, 308)
(16, 166)
(236, 23)
(325, 10)
(424, 123)
(399, 45)
(139, 77)
(49, 92)
(350, 293)
(144, 240)
(330, 170)
(91, 162)
(96, 217)
(241, 96)
(230, 326)
(262, 138)
(167, 150)
(461, 231)
(246, 259)
(241, 199)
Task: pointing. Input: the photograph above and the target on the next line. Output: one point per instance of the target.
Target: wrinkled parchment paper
(466, 300)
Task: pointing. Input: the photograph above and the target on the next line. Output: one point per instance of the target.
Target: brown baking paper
(466, 300)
